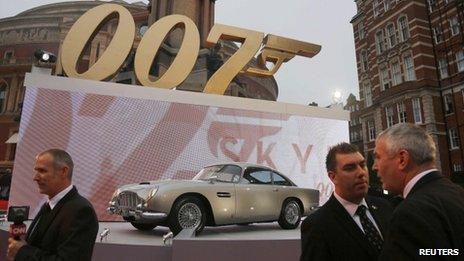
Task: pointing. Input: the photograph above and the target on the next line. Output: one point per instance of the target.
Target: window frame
(409, 70)
(403, 29)
(443, 68)
(389, 116)
(367, 94)
(401, 110)
(391, 35)
(460, 60)
(380, 42)
(371, 130)
(454, 139)
(454, 25)
(417, 110)
(397, 75)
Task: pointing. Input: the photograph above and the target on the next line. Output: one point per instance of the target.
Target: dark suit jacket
(67, 233)
(431, 217)
(331, 233)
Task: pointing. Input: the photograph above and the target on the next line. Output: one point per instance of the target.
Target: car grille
(129, 199)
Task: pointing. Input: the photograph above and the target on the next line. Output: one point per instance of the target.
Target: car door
(255, 198)
(221, 194)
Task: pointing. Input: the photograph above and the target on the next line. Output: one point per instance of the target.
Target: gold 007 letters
(274, 49)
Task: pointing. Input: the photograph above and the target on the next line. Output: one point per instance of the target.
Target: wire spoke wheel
(189, 215)
(290, 216)
(292, 213)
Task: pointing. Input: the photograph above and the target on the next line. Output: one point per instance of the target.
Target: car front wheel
(187, 213)
(290, 216)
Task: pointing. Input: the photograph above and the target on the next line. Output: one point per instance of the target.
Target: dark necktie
(372, 234)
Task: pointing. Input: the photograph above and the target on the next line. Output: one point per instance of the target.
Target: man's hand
(13, 247)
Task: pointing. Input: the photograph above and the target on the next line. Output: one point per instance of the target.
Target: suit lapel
(347, 222)
(32, 227)
(43, 226)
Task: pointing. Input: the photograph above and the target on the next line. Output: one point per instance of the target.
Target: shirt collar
(350, 206)
(414, 180)
(53, 201)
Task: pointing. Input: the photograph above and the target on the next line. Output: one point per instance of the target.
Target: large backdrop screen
(120, 134)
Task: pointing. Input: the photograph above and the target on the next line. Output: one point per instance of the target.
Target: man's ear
(403, 159)
(332, 176)
(64, 172)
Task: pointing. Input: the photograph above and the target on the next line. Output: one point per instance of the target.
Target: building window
(389, 116)
(361, 31)
(8, 55)
(457, 167)
(379, 42)
(443, 68)
(371, 130)
(432, 4)
(454, 25)
(438, 34)
(462, 94)
(384, 79)
(2, 96)
(403, 28)
(377, 7)
(386, 5)
(453, 138)
(460, 60)
(401, 112)
(364, 61)
(410, 75)
(391, 35)
(396, 71)
(448, 102)
(368, 94)
(416, 109)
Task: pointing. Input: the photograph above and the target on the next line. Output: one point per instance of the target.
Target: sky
(301, 80)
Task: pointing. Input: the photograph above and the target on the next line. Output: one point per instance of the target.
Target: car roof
(243, 165)
(247, 165)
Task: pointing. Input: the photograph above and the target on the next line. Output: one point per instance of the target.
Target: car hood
(153, 183)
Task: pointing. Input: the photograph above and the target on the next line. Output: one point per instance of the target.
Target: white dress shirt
(351, 209)
(53, 201)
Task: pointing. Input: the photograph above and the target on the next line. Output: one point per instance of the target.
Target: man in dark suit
(351, 225)
(429, 222)
(66, 226)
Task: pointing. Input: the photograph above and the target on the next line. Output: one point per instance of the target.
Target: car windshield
(221, 173)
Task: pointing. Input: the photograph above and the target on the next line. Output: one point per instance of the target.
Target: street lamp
(44, 56)
(336, 97)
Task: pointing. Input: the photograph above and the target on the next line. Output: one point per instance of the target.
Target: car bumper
(136, 214)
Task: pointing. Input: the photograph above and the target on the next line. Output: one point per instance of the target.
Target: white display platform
(265, 241)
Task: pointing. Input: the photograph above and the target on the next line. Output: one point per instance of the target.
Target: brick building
(410, 61)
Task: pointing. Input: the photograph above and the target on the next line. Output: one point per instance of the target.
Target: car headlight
(152, 192)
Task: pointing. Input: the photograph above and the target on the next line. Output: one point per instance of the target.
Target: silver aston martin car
(233, 193)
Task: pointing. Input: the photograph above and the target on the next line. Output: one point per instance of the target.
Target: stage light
(44, 56)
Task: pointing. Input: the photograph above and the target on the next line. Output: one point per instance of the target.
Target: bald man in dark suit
(66, 226)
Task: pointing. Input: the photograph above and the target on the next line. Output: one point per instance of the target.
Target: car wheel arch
(209, 211)
(300, 203)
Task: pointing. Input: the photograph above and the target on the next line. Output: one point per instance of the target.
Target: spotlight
(44, 56)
